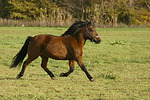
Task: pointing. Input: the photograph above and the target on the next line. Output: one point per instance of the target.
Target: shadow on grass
(108, 75)
(8, 78)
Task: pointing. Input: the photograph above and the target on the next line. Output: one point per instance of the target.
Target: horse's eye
(90, 30)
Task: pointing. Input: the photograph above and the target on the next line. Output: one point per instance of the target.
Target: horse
(68, 46)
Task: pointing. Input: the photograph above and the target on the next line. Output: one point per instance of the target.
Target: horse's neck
(80, 39)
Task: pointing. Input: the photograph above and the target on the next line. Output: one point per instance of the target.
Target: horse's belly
(58, 52)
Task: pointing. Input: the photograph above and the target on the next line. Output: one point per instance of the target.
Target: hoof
(18, 76)
(63, 75)
(92, 80)
(53, 78)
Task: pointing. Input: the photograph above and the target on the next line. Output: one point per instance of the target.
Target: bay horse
(68, 46)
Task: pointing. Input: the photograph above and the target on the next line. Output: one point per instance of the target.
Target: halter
(93, 37)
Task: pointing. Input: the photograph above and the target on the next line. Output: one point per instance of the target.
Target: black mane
(75, 28)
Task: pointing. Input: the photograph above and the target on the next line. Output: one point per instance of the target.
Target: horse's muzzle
(97, 40)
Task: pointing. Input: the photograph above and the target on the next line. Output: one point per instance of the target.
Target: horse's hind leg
(44, 66)
(25, 64)
(71, 64)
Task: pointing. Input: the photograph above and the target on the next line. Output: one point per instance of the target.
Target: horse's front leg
(71, 65)
(81, 64)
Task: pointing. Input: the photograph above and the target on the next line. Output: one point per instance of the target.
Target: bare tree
(147, 2)
(76, 7)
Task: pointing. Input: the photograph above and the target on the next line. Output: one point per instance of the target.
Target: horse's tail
(18, 59)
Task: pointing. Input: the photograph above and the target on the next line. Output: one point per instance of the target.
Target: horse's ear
(86, 21)
(90, 22)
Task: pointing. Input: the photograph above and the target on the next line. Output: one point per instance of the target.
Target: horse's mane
(75, 28)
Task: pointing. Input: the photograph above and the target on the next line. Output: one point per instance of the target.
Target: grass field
(120, 66)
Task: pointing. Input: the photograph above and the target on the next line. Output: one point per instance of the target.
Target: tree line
(102, 12)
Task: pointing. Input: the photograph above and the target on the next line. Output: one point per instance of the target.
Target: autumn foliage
(64, 12)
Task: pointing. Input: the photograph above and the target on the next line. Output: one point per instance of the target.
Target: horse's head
(91, 33)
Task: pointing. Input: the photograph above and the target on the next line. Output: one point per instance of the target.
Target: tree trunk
(114, 21)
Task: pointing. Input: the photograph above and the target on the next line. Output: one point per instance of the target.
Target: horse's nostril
(98, 41)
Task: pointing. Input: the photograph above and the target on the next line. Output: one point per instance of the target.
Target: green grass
(120, 66)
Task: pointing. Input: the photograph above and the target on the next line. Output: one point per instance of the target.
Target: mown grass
(120, 66)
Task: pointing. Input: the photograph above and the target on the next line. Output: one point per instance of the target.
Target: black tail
(21, 54)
